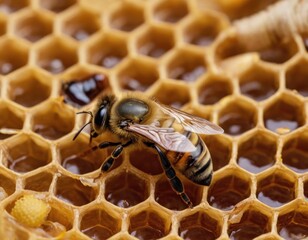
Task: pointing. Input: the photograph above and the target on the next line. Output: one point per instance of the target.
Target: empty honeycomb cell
(214, 88)
(293, 224)
(29, 87)
(220, 149)
(295, 153)
(73, 191)
(167, 197)
(100, 224)
(56, 5)
(284, 112)
(26, 153)
(237, 116)
(80, 24)
(106, 49)
(296, 77)
(55, 55)
(8, 60)
(188, 68)
(164, 93)
(137, 75)
(149, 224)
(59, 123)
(200, 225)
(257, 151)
(126, 16)
(126, 189)
(155, 41)
(171, 11)
(146, 161)
(32, 25)
(228, 190)
(7, 183)
(10, 6)
(39, 182)
(258, 82)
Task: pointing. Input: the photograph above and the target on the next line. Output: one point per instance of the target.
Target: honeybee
(173, 134)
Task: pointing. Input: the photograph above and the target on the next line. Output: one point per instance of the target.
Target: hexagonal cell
(257, 152)
(25, 153)
(252, 224)
(106, 50)
(8, 60)
(293, 224)
(7, 184)
(200, 225)
(186, 65)
(167, 197)
(258, 82)
(155, 41)
(12, 6)
(60, 120)
(148, 224)
(56, 5)
(99, 224)
(137, 75)
(170, 11)
(80, 24)
(275, 189)
(56, 55)
(32, 25)
(164, 93)
(126, 17)
(220, 149)
(213, 89)
(295, 153)
(73, 191)
(228, 190)
(237, 117)
(126, 189)
(279, 53)
(285, 112)
(29, 87)
(296, 77)
(39, 182)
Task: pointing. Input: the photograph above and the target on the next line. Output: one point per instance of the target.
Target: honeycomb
(260, 183)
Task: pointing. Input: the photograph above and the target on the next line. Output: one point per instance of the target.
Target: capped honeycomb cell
(100, 224)
(284, 112)
(39, 182)
(137, 75)
(214, 88)
(11, 6)
(32, 25)
(126, 16)
(200, 225)
(80, 24)
(59, 123)
(257, 151)
(258, 82)
(7, 184)
(29, 87)
(188, 68)
(296, 77)
(56, 5)
(106, 49)
(74, 192)
(126, 189)
(8, 60)
(171, 11)
(228, 190)
(295, 153)
(237, 116)
(55, 55)
(26, 153)
(154, 41)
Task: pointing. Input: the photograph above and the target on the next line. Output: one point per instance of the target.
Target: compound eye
(132, 109)
(100, 118)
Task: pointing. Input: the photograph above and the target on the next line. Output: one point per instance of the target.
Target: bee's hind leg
(175, 182)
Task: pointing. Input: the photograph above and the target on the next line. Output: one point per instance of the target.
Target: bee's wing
(165, 137)
(190, 122)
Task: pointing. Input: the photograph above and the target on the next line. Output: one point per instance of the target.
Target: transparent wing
(190, 122)
(165, 137)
